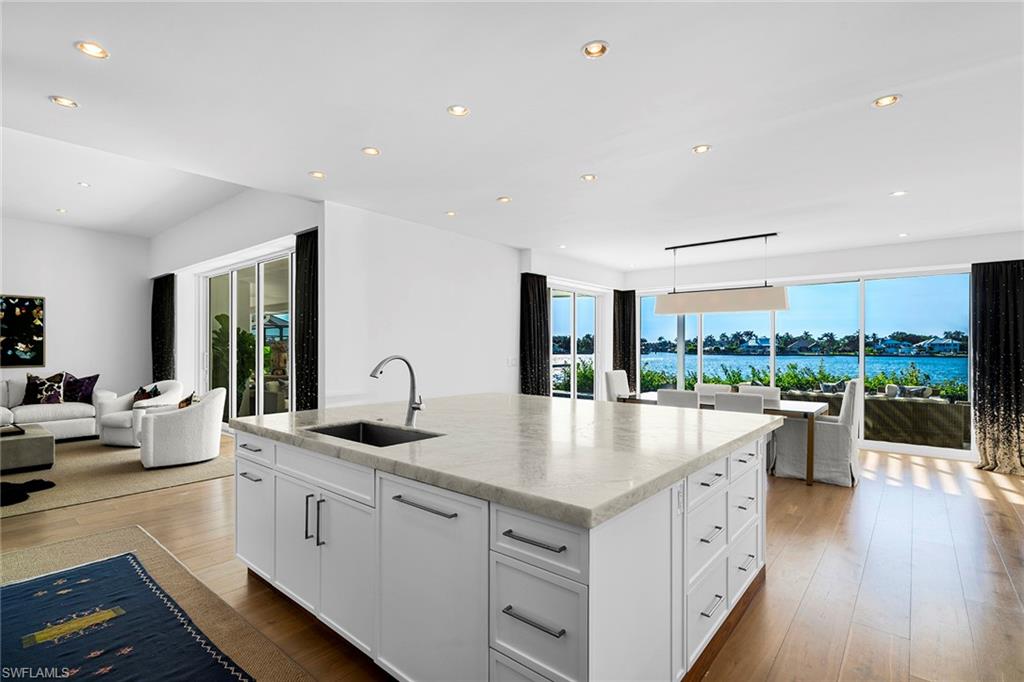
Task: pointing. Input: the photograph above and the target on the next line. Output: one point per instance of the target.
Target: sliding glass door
(573, 344)
(249, 337)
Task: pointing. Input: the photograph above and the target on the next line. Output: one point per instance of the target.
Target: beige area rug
(232, 634)
(86, 471)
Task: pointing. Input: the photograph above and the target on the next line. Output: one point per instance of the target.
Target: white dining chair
(772, 395)
(706, 392)
(616, 385)
(674, 398)
(739, 402)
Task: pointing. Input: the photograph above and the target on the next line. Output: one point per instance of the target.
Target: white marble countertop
(577, 461)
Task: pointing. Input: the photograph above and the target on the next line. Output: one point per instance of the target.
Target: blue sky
(921, 305)
(561, 316)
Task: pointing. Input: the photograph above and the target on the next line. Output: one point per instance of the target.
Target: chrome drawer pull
(250, 477)
(710, 611)
(447, 515)
(743, 506)
(532, 623)
(306, 535)
(717, 478)
(714, 534)
(319, 542)
(742, 461)
(250, 448)
(746, 564)
(536, 543)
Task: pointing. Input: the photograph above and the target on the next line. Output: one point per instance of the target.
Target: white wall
(98, 295)
(883, 259)
(449, 303)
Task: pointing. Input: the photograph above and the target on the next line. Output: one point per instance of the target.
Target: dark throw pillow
(79, 390)
(837, 387)
(185, 402)
(146, 393)
(39, 391)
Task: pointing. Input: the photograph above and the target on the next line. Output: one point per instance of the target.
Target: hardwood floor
(916, 574)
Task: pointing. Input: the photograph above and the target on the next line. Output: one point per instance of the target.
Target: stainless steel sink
(373, 433)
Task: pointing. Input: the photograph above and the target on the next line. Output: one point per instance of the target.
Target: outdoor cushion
(6, 416)
(33, 414)
(117, 420)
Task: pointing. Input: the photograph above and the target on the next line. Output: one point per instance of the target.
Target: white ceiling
(259, 94)
(124, 195)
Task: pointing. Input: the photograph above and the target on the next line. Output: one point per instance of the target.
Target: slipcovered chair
(835, 444)
(707, 392)
(739, 402)
(616, 385)
(120, 418)
(772, 396)
(675, 398)
(171, 436)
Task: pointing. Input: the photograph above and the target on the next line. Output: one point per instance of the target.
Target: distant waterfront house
(803, 346)
(759, 345)
(894, 347)
(936, 345)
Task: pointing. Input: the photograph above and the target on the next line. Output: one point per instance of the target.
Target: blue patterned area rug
(104, 619)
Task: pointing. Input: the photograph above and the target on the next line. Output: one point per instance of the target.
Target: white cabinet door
(254, 516)
(433, 582)
(348, 568)
(297, 565)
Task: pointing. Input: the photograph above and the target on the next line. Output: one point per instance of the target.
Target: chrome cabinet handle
(319, 542)
(508, 611)
(715, 480)
(743, 506)
(742, 461)
(714, 534)
(250, 477)
(710, 611)
(536, 543)
(746, 564)
(447, 515)
(250, 448)
(305, 533)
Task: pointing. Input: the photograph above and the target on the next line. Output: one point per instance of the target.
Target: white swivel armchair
(835, 444)
(119, 419)
(171, 436)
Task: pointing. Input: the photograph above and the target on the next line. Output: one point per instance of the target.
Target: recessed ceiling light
(317, 175)
(62, 211)
(371, 151)
(903, 234)
(450, 214)
(886, 101)
(458, 110)
(595, 49)
(561, 246)
(83, 183)
(91, 49)
(588, 177)
(701, 149)
(504, 200)
(898, 193)
(62, 101)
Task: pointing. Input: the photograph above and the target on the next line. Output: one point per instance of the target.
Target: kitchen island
(519, 538)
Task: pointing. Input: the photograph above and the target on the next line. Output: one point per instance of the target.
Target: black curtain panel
(534, 335)
(624, 335)
(161, 328)
(307, 301)
(997, 361)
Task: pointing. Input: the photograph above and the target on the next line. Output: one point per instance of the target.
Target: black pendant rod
(723, 241)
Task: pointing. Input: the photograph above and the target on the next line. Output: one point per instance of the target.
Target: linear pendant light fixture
(739, 299)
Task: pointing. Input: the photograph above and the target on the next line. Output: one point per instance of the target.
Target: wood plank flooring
(916, 574)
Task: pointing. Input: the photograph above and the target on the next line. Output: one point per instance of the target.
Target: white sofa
(121, 420)
(63, 420)
(171, 436)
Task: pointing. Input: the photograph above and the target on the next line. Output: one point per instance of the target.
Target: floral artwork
(22, 331)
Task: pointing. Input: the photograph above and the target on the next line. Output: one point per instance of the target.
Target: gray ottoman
(30, 451)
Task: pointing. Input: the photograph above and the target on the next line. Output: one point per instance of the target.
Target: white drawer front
(330, 473)
(743, 504)
(254, 516)
(743, 563)
(743, 460)
(706, 534)
(254, 447)
(504, 669)
(558, 547)
(706, 482)
(706, 606)
(539, 619)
